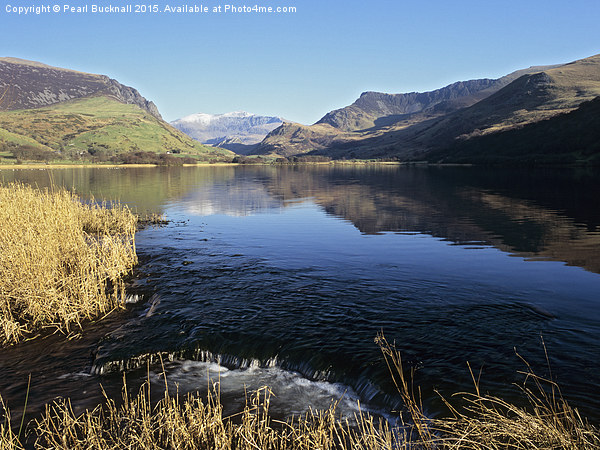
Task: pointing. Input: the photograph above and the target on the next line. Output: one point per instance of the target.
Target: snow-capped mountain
(237, 131)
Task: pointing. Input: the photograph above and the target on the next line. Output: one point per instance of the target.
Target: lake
(283, 276)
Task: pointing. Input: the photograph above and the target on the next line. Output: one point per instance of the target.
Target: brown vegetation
(62, 261)
(486, 422)
(31, 153)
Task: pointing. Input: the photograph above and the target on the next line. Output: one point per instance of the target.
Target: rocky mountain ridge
(373, 109)
(30, 84)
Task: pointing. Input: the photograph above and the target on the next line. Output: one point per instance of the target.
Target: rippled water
(284, 276)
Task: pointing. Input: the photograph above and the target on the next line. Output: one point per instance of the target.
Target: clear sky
(300, 65)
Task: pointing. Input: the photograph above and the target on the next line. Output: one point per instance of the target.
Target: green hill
(49, 113)
(99, 127)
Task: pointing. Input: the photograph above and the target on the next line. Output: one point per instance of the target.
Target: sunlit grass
(484, 421)
(188, 422)
(99, 124)
(61, 261)
(191, 423)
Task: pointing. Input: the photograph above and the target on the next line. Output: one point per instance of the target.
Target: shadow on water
(286, 274)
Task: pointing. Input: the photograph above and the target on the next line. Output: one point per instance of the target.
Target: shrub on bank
(161, 159)
(30, 153)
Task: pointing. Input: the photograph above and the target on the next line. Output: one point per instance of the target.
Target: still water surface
(284, 276)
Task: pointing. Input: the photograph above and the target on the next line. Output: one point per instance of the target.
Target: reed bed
(188, 422)
(195, 424)
(62, 261)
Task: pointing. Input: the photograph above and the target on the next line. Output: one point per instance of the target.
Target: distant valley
(538, 115)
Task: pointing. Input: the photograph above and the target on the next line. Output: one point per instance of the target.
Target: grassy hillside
(98, 128)
(528, 99)
(571, 138)
(295, 139)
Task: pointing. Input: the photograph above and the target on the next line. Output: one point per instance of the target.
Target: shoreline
(40, 166)
(100, 166)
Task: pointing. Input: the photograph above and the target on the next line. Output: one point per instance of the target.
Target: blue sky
(304, 64)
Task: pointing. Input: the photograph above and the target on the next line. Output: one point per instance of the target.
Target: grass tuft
(488, 422)
(62, 261)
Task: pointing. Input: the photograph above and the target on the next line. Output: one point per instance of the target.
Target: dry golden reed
(8, 438)
(190, 423)
(488, 422)
(61, 260)
(175, 422)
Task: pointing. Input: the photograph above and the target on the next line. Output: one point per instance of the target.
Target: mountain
(33, 85)
(238, 131)
(376, 109)
(53, 113)
(415, 125)
(570, 138)
(374, 112)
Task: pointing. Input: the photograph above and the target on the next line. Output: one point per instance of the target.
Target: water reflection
(240, 198)
(542, 214)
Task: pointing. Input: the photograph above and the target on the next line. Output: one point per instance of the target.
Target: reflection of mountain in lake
(144, 189)
(544, 214)
(241, 197)
(547, 214)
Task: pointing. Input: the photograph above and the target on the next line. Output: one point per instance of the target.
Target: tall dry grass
(8, 438)
(483, 422)
(61, 261)
(191, 423)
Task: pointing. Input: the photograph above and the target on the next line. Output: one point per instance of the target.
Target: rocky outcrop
(130, 96)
